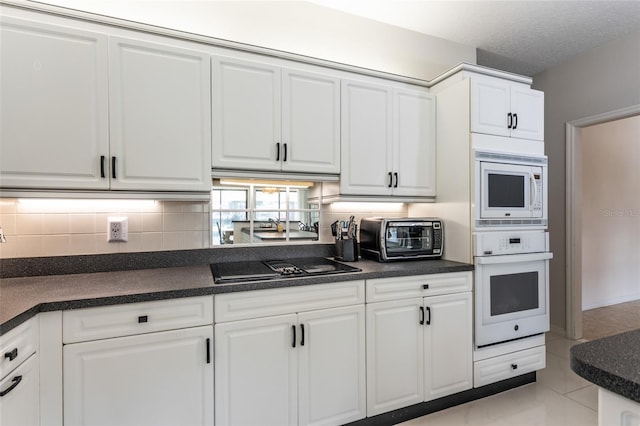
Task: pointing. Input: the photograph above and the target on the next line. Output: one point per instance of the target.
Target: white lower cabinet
(148, 378)
(418, 349)
(19, 395)
(302, 368)
(19, 376)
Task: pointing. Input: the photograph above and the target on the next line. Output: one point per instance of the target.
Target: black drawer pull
(143, 319)
(16, 381)
(12, 355)
(425, 286)
(514, 366)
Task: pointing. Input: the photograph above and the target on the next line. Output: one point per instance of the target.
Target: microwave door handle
(534, 188)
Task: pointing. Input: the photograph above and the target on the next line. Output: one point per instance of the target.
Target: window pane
(233, 199)
(270, 199)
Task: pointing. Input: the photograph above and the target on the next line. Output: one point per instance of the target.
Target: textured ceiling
(524, 37)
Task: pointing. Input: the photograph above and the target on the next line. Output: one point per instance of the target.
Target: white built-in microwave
(510, 190)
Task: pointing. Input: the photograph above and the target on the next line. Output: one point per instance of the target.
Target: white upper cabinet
(388, 140)
(502, 108)
(275, 119)
(160, 117)
(53, 106)
(81, 110)
(366, 139)
(246, 115)
(414, 150)
(310, 122)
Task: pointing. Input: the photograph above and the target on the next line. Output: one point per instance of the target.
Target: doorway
(574, 229)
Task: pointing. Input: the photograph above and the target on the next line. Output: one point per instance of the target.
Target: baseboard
(418, 410)
(610, 302)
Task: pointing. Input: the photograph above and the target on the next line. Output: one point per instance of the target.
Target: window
(248, 212)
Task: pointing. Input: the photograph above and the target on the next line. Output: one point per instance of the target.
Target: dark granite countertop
(23, 297)
(613, 363)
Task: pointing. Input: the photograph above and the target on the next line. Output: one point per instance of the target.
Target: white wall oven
(511, 286)
(510, 190)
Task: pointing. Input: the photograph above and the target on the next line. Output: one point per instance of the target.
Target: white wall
(610, 213)
(295, 27)
(598, 81)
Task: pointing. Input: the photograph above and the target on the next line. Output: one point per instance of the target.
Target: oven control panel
(502, 243)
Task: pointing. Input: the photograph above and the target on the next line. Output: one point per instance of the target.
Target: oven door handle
(514, 258)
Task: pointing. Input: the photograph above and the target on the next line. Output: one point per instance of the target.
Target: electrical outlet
(117, 229)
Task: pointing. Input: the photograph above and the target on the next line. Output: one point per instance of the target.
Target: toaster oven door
(410, 239)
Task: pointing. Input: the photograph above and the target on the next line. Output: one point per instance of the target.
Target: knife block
(347, 250)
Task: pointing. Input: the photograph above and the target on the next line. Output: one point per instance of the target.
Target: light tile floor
(558, 398)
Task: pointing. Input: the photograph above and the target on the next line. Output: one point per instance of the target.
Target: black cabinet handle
(302, 338)
(284, 158)
(102, 166)
(208, 350)
(421, 315)
(514, 366)
(390, 179)
(12, 355)
(16, 381)
(293, 341)
(425, 286)
(509, 120)
(278, 151)
(515, 121)
(143, 319)
(113, 167)
(396, 176)
(428, 315)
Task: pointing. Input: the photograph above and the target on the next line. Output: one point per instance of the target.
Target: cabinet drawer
(382, 289)
(279, 301)
(135, 318)
(502, 367)
(18, 345)
(20, 404)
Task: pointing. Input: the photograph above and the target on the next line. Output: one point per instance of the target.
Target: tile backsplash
(35, 228)
(71, 227)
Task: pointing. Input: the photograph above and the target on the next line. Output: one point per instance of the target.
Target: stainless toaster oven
(388, 239)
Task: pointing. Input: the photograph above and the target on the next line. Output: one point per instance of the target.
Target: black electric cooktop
(233, 272)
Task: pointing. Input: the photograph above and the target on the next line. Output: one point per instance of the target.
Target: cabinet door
(310, 122)
(20, 400)
(366, 139)
(150, 379)
(53, 106)
(490, 106)
(414, 148)
(332, 366)
(528, 105)
(256, 372)
(448, 345)
(395, 358)
(160, 117)
(246, 115)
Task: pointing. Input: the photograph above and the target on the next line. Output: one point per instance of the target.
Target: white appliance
(511, 285)
(510, 190)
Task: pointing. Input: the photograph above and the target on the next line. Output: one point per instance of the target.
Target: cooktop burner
(232, 272)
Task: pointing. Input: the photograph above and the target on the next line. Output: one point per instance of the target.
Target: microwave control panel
(501, 243)
(537, 207)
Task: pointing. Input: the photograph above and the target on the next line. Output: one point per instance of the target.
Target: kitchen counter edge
(611, 363)
(24, 297)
